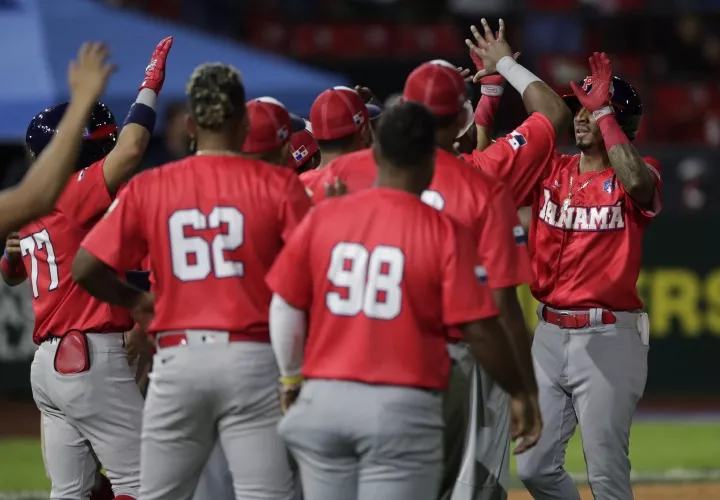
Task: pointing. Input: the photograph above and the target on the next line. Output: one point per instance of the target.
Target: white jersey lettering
(575, 218)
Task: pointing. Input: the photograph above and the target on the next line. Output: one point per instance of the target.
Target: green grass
(661, 446)
(655, 447)
(21, 466)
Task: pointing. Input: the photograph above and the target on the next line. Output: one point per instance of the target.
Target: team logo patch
(358, 119)
(516, 140)
(300, 153)
(283, 133)
(608, 186)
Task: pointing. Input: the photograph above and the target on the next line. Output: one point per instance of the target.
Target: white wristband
(599, 113)
(516, 75)
(148, 97)
(492, 90)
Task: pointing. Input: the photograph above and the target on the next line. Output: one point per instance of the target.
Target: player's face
(587, 132)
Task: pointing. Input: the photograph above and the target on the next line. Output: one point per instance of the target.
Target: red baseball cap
(338, 112)
(303, 147)
(270, 125)
(438, 86)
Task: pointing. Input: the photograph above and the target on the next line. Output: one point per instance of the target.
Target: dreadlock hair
(216, 95)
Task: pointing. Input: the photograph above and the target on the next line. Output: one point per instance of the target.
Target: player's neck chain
(566, 203)
(217, 152)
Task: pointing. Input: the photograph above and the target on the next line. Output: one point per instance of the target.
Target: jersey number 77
(29, 246)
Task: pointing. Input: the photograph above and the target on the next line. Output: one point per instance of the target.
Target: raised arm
(42, 185)
(634, 175)
(537, 96)
(122, 161)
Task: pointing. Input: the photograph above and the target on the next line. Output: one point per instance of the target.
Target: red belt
(175, 339)
(580, 319)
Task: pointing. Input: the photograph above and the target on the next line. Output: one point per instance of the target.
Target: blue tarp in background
(39, 37)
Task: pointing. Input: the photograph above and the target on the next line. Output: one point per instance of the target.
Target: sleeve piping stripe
(653, 170)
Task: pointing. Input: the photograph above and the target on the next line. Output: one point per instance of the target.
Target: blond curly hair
(216, 94)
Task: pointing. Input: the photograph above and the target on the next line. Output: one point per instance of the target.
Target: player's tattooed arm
(633, 174)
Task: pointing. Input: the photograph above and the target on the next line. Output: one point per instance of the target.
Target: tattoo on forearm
(632, 172)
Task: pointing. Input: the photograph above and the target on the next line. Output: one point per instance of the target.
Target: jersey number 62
(206, 257)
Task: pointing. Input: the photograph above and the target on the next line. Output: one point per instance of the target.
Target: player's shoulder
(653, 164)
(562, 161)
(357, 159)
(461, 174)
(310, 176)
(537, 122)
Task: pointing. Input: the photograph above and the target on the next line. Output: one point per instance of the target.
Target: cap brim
(572, 102)
(469, 119)
(297, 123)
(374, 111)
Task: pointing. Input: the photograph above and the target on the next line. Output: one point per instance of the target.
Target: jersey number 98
(370, 280)
(193, 257)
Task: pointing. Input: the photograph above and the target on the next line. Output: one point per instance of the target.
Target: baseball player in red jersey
(212, 225)
(368, 422)
(38, 191)
(80, 376)
(590, 212)
(482, 204)
(340, 124)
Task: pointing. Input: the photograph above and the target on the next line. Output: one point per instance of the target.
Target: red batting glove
(599, 96)
(155, 71)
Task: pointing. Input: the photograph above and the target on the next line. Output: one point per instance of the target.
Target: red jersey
(211, 226)
(521, 158)
(589, 254)
(314, 182)
(379, 292)
(48, 247)
(470, 197)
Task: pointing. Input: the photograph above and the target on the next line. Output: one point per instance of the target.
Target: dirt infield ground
(685, 491)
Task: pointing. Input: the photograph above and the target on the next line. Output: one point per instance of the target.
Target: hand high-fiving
(489, 49)
(155, 70)
(88, 74)
(599, 95)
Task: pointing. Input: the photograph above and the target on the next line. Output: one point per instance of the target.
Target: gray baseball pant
(356, 441)
(477, 432)
(204, 392)
(593, 376)
(216, 482)
(94, 413)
